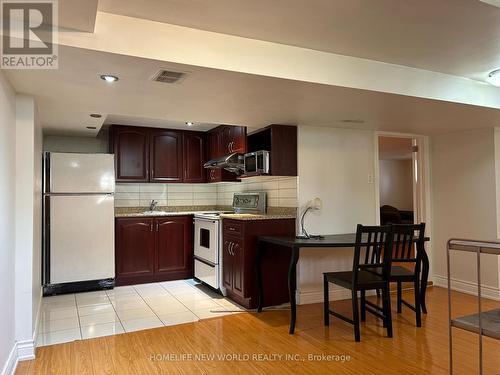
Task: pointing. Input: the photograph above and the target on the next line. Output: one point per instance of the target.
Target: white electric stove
(208, 237)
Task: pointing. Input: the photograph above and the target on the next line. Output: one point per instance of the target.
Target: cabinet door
(194, 157)
(166, 155)
(226, 138)
(238, 267)
(130, 146)
(174, 255)
(213, 144)
(238, 139)
(134, 250)
(227, 265)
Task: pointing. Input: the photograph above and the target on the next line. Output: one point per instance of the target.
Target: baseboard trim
(468, 287)
(10, 366)
(25, 350)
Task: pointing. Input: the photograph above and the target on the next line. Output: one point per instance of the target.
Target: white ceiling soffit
(457, 37)
(68, 95)
(176, 44)
(77, 14)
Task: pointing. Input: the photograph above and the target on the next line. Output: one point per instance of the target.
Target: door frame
(423, 198)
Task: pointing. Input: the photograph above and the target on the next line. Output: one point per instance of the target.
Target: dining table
(327, 242)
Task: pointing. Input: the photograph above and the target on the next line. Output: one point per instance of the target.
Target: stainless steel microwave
(257, 163)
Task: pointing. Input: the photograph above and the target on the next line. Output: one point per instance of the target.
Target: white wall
(7, 228)
(97, 144)
(27, 223)
(463, 205)
(334, 165)
(396, 184)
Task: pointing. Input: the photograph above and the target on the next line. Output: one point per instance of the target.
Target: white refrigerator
(78, 235)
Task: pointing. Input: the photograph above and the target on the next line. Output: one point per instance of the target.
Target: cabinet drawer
(232, 227)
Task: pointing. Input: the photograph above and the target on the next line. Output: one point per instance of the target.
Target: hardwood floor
(411, 351)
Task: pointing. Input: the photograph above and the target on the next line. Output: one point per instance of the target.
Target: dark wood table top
(330, 240)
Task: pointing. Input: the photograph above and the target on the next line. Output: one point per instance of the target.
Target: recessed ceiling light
(189, 123)
(95, 115)
(109, 78)
(91, 127)
(494, 77)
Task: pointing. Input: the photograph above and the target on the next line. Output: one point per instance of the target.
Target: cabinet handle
(231, 248)
(157, 226)
(151, 227)
(232, 229)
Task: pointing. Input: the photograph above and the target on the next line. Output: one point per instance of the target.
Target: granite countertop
(256, 216)
(274, 213)
(156, 213)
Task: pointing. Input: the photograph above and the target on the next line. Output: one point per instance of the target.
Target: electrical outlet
(371, 178)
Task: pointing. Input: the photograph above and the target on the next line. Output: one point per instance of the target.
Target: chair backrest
(408, 237)
(373, 240)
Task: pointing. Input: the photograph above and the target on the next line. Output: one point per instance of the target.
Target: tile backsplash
(281, 192)
(140, 195)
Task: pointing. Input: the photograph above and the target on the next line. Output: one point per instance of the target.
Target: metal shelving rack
(485, 323)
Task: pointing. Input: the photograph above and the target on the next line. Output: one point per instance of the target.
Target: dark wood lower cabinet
(153, 249)
(239, 268)
(174, 256)
(134, 249)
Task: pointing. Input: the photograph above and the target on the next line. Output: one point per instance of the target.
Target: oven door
(206, 240)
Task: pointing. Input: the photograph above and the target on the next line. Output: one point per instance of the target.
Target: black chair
(369, 272)
(408, 247)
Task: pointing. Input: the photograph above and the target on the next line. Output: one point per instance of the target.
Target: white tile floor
(79, 316)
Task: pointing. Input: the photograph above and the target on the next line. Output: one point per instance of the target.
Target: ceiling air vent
(168, 76)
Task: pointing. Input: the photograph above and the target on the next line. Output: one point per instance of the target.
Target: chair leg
(387, 310)
(326, 302)
(355, 315)
(400, 298)
(363, 306)
(418, 309)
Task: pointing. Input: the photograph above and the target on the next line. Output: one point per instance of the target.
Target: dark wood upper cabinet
(233, 139)
(134, 250)
(194, 157)
(169, 156)
(281, 142)
(239, 139)
(166, 156)
(221, 141)
(131, 148)
(174, 256)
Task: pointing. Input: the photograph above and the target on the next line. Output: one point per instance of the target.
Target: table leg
(423, 281)
(260, 249)
(292, 287)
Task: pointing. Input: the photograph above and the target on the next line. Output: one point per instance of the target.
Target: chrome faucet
(153, 205)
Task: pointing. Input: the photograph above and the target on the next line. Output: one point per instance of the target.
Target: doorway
(399, 176)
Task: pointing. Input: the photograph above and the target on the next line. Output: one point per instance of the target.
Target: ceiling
(458, 37)
(209, 97)
(394, 148)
